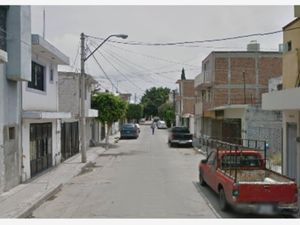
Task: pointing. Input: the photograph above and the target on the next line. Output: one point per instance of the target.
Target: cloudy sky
(135, 68)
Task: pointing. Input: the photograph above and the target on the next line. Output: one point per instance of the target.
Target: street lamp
(83, 90)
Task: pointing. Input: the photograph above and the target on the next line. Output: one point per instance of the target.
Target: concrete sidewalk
(20, 201)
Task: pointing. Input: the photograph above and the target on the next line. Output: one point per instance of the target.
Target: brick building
(230, 83)
(185, 104)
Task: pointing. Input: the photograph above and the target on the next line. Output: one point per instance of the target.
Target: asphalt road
(141, 178)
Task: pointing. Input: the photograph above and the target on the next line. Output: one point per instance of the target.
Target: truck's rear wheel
(222, 200)
(201, 180)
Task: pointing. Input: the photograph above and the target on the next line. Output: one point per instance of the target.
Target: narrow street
(141, 178)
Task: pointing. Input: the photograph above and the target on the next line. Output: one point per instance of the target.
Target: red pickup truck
(242, 181)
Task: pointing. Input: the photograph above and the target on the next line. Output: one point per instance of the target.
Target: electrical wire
(121, 73)
(75, 60)
(152, 57)
(137, 65)
(102, 69)
(118, 71)
(139, 43)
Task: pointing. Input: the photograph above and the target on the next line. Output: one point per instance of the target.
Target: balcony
(202, 81)
(287, 99)
(90, 113)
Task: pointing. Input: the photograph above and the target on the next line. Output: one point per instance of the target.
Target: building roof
(187, 80)
(47, 50)
(290, 23)
(90, 78)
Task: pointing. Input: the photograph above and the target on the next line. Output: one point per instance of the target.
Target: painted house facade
(15, 60)
(185, 104)
(69, 101)
(287, 100)
(41, 118)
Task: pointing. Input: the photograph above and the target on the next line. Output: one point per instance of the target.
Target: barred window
(37, 77)
(3, 16)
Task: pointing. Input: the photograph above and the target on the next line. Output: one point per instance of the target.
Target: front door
(40, 147)
(69, 140)
(291, 150)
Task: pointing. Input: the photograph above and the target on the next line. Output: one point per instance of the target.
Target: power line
(180, 43)
(122, 64)
(152, 57)
(102, 69)
(143, 68)
(128, 64)
(120, 72)
(75, 60)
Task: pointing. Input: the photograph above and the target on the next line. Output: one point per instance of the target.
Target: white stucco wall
(56, 135)
(42, 100)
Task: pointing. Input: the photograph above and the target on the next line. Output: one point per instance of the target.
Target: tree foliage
(167, 113)
(110, 109)
(153, 98)
(134, 112)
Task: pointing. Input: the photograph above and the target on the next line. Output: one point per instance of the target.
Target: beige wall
(291, 59)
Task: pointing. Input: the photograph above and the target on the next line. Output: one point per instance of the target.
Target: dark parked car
(180, 136)
(129, 130)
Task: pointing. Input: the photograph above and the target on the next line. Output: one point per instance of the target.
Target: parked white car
(161, 124)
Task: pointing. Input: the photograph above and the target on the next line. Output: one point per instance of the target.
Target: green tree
(167, 113)
(134, 112)
(110, 109)
(152, 99)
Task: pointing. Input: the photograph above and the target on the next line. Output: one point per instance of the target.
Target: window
(37, 77)
(3, 13)
(211, 158)
(51, 75)
(11, 133)
(240, 161)
(289, 46)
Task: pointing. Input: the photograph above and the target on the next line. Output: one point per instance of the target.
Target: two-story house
(287, 100)
(41, 117)
(228, 93)
(15, 60)
(69, 101)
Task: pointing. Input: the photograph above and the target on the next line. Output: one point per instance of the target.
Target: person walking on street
(153, 127)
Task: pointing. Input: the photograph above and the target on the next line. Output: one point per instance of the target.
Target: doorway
(291, 150)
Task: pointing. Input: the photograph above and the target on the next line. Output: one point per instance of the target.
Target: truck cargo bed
(265, 176)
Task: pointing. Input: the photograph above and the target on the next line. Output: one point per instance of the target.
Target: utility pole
(244, 80)
(82, 102)
(82, 92)
(174, 106)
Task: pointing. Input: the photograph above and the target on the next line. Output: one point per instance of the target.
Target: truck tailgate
(260, 192)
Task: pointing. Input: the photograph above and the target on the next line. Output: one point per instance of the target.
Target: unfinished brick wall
(269, 67)
(188, 88)
(221, 71)
(229, 79)
(240, 65)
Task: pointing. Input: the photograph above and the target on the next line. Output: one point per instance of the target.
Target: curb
(51, 192)
(200, 151)
(27, 212)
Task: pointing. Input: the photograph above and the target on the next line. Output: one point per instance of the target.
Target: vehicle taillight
(296, 194)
